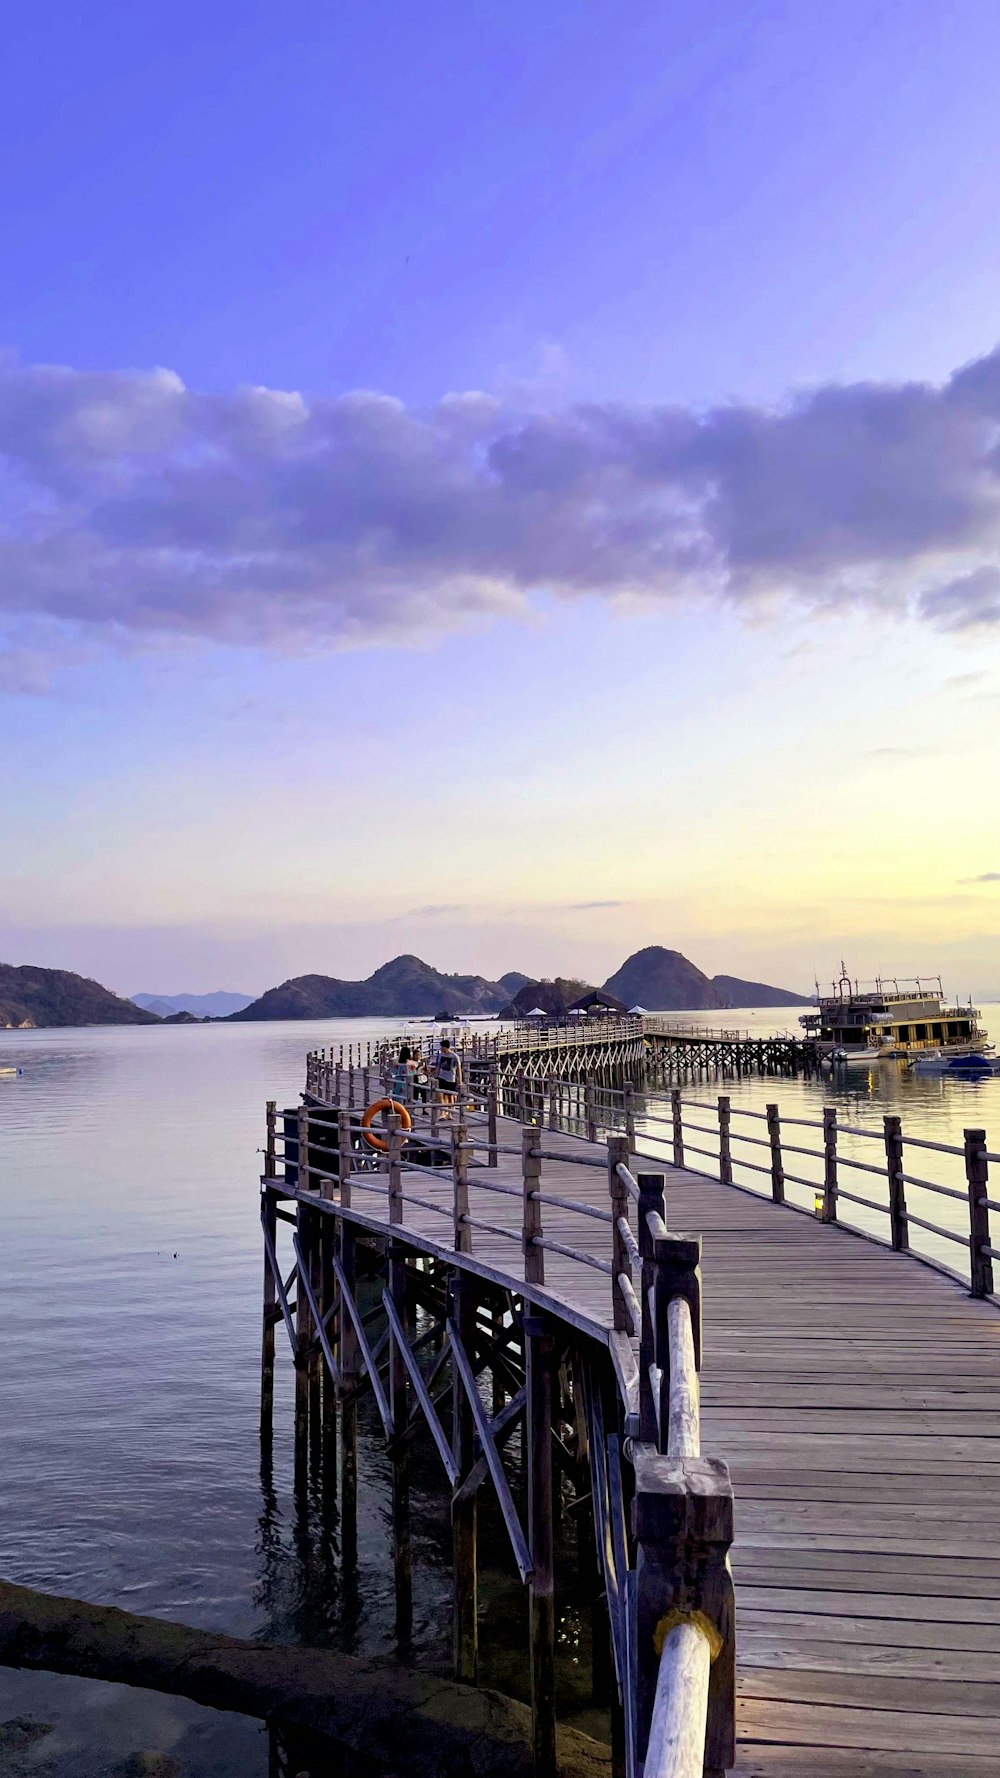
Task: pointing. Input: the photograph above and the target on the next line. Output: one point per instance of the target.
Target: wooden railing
(666, 1577)
(766, 1151)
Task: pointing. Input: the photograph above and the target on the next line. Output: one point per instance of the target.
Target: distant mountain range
(204, 1006)
(655, 978)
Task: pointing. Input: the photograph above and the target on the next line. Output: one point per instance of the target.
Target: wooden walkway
(855, 1395)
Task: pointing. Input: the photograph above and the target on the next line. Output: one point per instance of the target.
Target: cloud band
(130, 504)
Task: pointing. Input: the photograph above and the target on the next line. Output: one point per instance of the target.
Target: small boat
(844, 1058)
(973, 1063)
(11, 1070)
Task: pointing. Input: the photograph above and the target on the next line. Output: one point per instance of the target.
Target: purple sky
(578, 425)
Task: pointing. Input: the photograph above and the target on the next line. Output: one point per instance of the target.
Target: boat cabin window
(937, 1031)
(904, 1033)
(921, 1031)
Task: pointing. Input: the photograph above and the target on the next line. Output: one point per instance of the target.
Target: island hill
(654, 978)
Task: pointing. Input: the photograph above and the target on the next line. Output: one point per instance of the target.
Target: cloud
(966, 603)
(579, 907)
(988, 876)
(133, 508)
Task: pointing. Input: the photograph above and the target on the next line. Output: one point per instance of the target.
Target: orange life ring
(372, 1113)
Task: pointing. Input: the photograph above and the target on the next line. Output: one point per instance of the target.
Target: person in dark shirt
(448, 1075)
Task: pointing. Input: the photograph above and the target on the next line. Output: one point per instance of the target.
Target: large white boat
(859, 1023)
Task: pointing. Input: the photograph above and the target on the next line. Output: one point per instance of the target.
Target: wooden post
(465, 1578)
(349, 1356)
(395, 1172)
(303, 1335)
(550, 1086)
(531, 1173)
(977, 1175)
(302, 1153)
(366, 1083)
(682, 1518)
(777, 1165)
(402, 1555)
(270, 1151)
(327, 1233)
(539, 1348)
(491, 1118)
(725, 1142)
(898, 1226)
(618, 1150)
(522, 1097)
(677, 1115)
(828, 1200)
(460, 1156)
(651, 1200)
(590, 1108)
(630, 1115)
(350, 1082)
(269, 1221)
(315, 1365)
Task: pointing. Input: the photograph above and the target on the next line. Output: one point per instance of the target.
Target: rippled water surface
(130, 1321)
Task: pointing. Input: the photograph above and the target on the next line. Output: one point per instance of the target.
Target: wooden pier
(850, 1392)
(611, 1049)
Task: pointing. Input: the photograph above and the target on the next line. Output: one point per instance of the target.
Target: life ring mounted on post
(372, 1113)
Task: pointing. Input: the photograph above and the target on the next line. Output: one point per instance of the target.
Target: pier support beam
(347, 1255)
(463, 1509)
(269, 1220)
(540, 1355)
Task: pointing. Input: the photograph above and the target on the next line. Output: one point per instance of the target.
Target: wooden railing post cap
(681, 1494)
(683, 1251)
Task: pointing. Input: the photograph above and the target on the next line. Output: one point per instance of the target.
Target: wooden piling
(303, 1335)
(465, 1583)
(349, 1358)
(269, 1221)
(402, 1554)
(540, 1362)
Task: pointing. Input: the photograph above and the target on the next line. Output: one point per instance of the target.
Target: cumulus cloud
(133, 506)
(987, 876)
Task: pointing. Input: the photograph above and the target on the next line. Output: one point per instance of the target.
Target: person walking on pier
(448, 1073)
(403, 1076)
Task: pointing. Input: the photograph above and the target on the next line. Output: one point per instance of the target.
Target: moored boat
(969, 1063)
(857, 1023)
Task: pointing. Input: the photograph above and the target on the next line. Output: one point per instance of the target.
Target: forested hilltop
(30, 996)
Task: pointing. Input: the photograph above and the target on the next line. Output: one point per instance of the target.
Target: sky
(511, 484)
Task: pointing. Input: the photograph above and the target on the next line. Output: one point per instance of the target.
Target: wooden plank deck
(855, 1395)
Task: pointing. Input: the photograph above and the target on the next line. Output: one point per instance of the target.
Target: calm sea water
(129, 1321)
